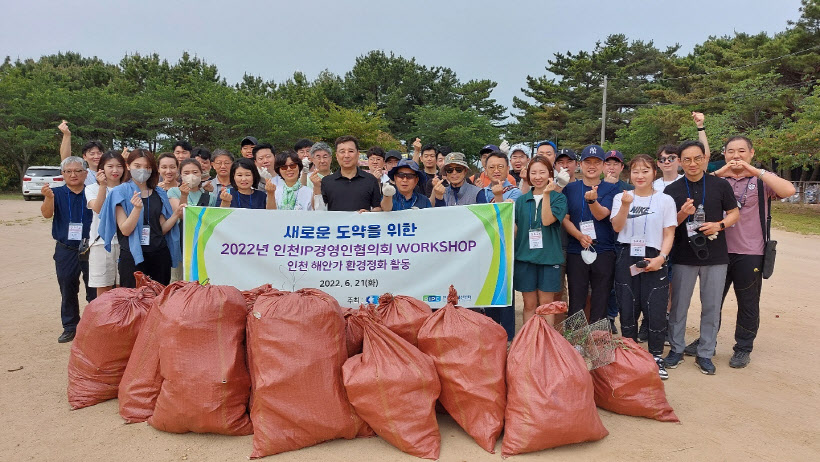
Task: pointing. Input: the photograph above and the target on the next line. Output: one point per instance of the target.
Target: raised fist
(63, 127)
(46, 191)
(504, 147)
(388, 190)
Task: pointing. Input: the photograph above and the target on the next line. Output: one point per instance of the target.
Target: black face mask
(698, 244)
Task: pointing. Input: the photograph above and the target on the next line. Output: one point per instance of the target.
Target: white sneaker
(661, 368)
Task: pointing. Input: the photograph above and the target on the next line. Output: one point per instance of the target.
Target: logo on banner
(372, 299)
(431, 298)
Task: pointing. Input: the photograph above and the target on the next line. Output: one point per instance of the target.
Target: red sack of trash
(105, 337)
(141, 380)
(353, 330)
(630, 385)
(205, 381)
(252, 294)
(470, 353)
(393, 387)
(550, 397)
(298, 346)
(143, 280)
(403, 315)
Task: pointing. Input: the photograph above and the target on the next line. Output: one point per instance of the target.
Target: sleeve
(559, 207)
(306, 198)
(91, 192)
(515, 194)
(606, 199)
(517, 210)
(616, 204)
(670, 211)
(324, 190)
(440, 203)
(174, 193)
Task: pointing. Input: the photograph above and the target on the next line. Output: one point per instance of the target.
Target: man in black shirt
(699, 252)
(350, 189)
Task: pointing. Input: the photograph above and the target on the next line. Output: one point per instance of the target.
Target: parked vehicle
(38, 176)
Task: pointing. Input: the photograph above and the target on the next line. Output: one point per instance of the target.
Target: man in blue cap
(591, 247)
(406, 175)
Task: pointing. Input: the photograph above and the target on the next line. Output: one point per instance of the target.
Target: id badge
(588, 228)
(75, 231)
(535, 239)
(691, 230)
(145, 237)
(637, 248)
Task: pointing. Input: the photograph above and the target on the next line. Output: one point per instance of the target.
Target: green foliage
(462, 130)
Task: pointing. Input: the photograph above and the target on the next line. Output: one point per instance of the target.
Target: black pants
(598, 275)
(505, 317)
(647, 293)
(69, 268)
(157, 265)
(744, 272)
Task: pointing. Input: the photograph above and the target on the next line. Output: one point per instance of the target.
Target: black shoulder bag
(769, 246)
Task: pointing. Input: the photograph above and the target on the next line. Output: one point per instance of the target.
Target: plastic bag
(252, 294)
(470, 353)
(105, 337)
(631, 386)
(298, 346)
(141, 380)
(403, 315)
(143, 280)
(206, 385)
(393, 386)
(550, 397)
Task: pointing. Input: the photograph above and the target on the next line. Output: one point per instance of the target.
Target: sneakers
(612, 326)
(705, 365)
(661, 368)
(740, 359)
(692, 348)
(643, 332)
(66, 336)
(673, 359)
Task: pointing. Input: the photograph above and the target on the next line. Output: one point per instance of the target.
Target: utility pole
(603, 114)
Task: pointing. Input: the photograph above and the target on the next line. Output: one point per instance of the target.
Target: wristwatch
(722, 226)
(665, 257)
(590, 201)
(762, 172)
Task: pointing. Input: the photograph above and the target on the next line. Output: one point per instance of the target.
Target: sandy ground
(768, 411)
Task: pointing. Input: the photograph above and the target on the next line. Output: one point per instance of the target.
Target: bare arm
(65, 144)
(47, 209)
(547, 218)
(96, 204)
(598, 211)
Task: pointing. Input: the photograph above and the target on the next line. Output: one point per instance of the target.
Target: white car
(38, 176)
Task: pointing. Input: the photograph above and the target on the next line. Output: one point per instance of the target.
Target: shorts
(102, 265)
(529, 277)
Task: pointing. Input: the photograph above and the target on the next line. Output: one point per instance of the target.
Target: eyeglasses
(289, 167)
(668, 159)
(221, 163)
(405, 175)
(693, 160)
(449, 170)
(73, 172)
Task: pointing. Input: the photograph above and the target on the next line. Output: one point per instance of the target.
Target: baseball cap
(412, 165)
(248, 140)
(456, 158)
(393, 154)
(567, 153)
(614, 155)
(547, 143)
(488, 148)
(593, 150)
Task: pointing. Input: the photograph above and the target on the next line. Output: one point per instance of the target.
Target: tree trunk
(815, 173)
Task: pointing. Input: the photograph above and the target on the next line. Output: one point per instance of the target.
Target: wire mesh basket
(593, 341)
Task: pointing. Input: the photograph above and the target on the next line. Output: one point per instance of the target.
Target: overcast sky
(500, 40)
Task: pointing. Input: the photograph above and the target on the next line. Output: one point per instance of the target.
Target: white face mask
(140, 175)
(192, 180)
(589, 255)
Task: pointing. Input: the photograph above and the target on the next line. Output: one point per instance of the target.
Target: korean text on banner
(355, 257)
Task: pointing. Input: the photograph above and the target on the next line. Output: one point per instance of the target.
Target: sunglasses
(289, 167)
(449, 170)
(668, 159)
(405, 175)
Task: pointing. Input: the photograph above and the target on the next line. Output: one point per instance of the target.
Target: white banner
(357, 257)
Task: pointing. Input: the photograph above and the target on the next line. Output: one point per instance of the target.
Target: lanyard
(742, 200)
(403, 201)
(146, 217)
(239, 199)
(70, 206)
(535, 211)
(688, 194)
(645, 217)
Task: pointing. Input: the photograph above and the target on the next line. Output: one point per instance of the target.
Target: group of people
(614, 248)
